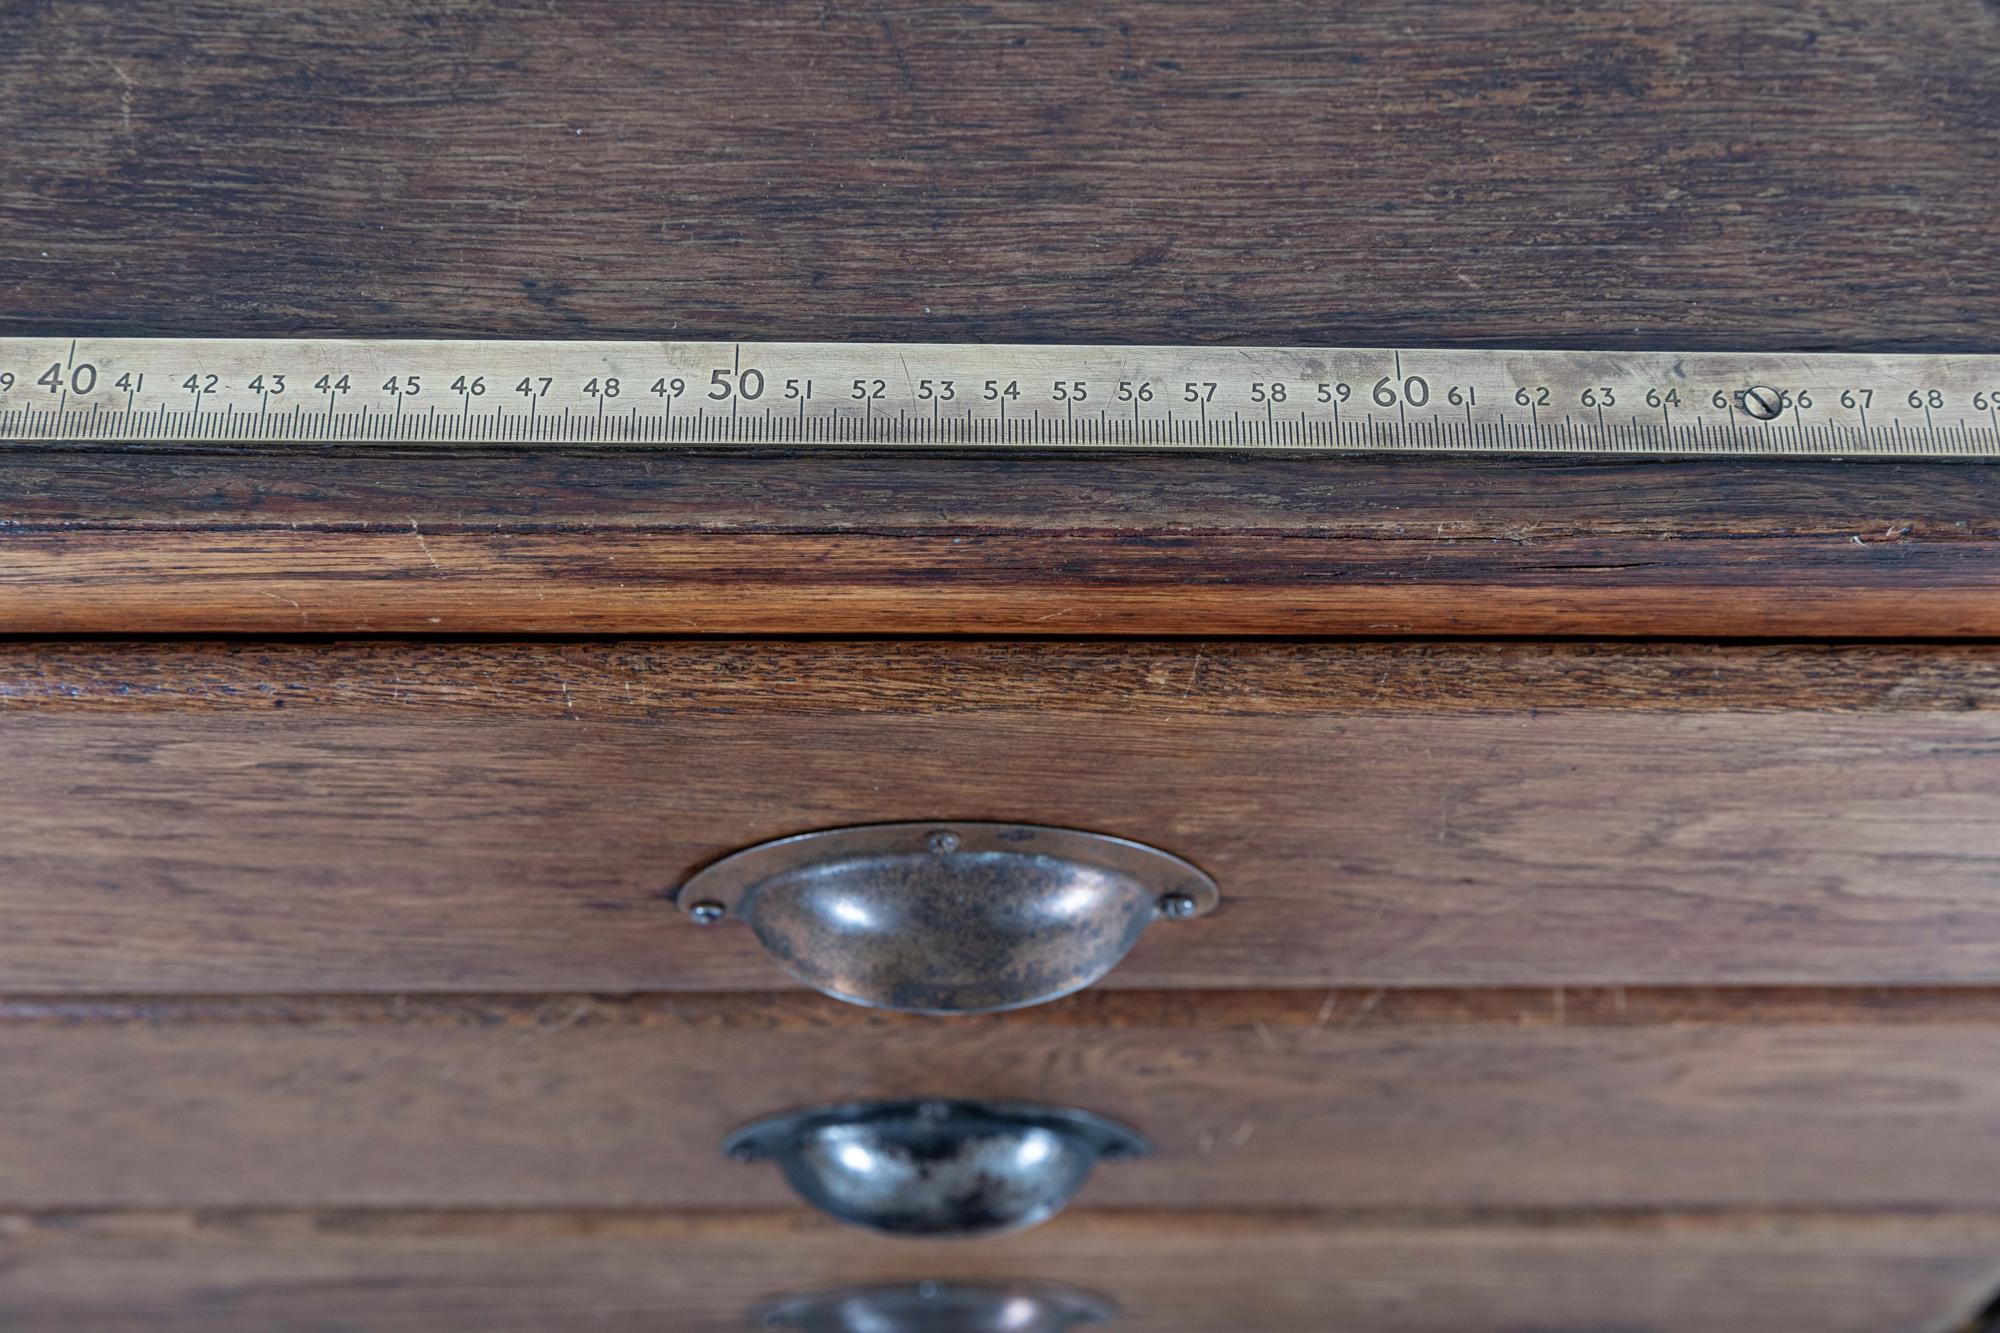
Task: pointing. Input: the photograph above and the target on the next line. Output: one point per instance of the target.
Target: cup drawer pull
(936, 1168)
(948, 918)
(936, 1307)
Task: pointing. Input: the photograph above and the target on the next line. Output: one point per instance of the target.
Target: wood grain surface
(1280, 1101)
(639, 680)
(1177, 1273)
(453, 818)
(681, 545)
(1359, 498)
(477, 817)
(1776, 172)
(1783, 173)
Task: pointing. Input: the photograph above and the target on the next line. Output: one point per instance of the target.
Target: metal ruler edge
(979, 396)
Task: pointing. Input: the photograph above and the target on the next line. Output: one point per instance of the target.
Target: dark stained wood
(413, 582)
(1773, 172)
(467, 817)
(1356, 498)
(471, 818)
(649, 680)
(1292, 1102)
(454, 817)
(1179, 1273)
(683, 544)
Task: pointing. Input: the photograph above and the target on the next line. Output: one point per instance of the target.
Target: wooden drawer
(382, 817)
(1172, 1273)
(1437, 1101)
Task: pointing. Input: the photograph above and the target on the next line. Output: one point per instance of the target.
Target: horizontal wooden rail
(685, 544)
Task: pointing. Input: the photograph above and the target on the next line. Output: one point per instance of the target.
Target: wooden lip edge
(183, 608)
(1329, 532)
(1114, 647)
(406, 1223)
(1319, 1010)
(1393, 548)
(1385, 501)
(628, 679)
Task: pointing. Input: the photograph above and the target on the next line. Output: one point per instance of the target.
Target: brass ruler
(945, 396)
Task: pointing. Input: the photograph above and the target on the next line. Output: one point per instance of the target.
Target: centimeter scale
(984, 396)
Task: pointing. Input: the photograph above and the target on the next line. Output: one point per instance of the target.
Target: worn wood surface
(426, 816)
(1793, 172)
(1783, 173)
(640, 680)
(1178, 1273)
(665, 494)
(671, 544)
(1282, 1101)
(413, 582)
(1779, 173)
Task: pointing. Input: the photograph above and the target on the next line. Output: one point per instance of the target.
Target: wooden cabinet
(1609, 852)
(1594, 982)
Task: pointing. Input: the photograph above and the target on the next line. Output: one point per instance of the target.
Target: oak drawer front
(1175, 1273)
(389, 817)
(1429, 1100)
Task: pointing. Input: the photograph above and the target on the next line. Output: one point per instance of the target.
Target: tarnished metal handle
(936, 1307)
(936, 1167)
(948, 918)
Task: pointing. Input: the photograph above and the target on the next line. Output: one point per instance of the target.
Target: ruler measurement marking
(1013, 397)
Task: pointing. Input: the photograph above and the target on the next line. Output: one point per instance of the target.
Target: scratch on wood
(425, 547)
(289, 602)
(1366, 1008)
(124, 97)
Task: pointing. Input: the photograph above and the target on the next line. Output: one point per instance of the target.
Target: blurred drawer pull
(948, 918)
(936, 1167)
(937, 1307)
